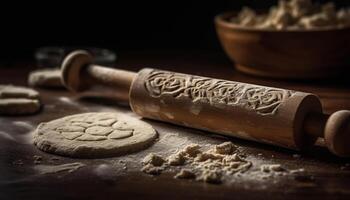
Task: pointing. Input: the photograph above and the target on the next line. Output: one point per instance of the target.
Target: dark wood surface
(325, 177)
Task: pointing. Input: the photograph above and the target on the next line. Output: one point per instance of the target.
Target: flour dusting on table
(214, 165)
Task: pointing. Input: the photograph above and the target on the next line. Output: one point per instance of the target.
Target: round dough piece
(94, 135)
(46, 78)
(18, 106)
(11, 91)
(16, 100)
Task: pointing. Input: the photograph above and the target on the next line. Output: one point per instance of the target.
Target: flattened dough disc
(94, 135)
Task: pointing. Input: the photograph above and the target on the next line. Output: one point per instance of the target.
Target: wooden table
(325, 177)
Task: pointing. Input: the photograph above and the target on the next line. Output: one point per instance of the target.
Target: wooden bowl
(316, 53)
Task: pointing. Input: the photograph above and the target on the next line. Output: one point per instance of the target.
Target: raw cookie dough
(295, 15)
(47, 78)
(13, 106)
(93, 135)
(15, 100)
(11, 91)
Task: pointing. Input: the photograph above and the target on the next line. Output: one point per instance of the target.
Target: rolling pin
(276, 116)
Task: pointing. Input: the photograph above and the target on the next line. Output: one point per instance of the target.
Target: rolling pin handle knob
(337, 133)
(72, 67)
(78, 73)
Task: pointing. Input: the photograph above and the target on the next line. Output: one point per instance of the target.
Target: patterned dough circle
(92, 135)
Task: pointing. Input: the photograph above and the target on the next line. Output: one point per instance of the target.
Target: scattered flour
(208, 166)
(51, 169)
(216, 164)
(22, 124)
(67, 100)
(7, 136)
(151, 169)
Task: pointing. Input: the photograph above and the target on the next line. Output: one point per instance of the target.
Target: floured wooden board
(28, 173)
(117, 174)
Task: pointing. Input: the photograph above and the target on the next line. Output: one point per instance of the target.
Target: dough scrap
(185, 174)
(69, 136)
(176, 159)
(46, 78)
(210, 176)
(153, 159)
(11, 91)
(16, 100)
(225, 148)
(192, 150)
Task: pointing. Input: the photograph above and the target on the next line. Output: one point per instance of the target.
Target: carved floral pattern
(263, 100)
(93, 127)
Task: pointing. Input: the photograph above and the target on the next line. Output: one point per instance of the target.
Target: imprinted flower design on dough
(94, 128)
(263, 100)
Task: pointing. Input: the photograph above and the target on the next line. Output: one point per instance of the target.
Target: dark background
(119, 25)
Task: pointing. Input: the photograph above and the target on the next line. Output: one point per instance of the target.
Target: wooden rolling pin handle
(315, 123)
(335, 129)
(78, 73)
(337, 133)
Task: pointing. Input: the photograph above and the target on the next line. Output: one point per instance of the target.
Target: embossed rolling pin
(275, 116)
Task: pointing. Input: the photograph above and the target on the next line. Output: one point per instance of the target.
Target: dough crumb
(192, 150)
(37, 159)
(208, 155)
(272, 168)
(151, 169)
(211, 176)
(153, 159)
(185, 174)
(176, 159)
(225, 148)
